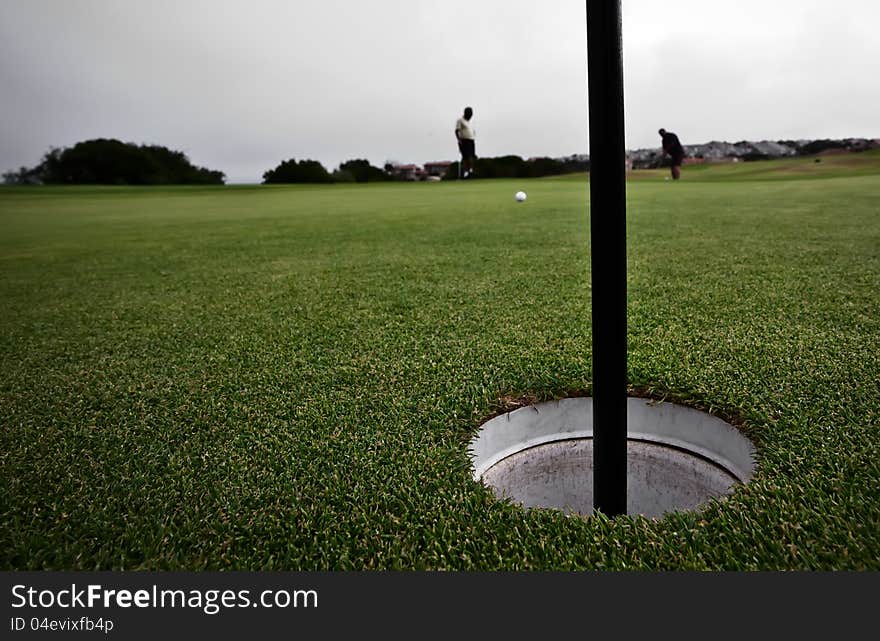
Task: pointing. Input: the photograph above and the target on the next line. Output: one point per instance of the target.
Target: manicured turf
(288, 377)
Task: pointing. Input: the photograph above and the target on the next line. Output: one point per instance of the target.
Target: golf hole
(678, 458)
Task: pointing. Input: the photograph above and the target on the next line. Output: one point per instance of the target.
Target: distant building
(437, 168)
(432, 170)
(408, 172)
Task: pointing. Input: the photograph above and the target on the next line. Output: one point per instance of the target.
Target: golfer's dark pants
(467, 149)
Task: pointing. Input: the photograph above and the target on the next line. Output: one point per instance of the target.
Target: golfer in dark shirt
(672, 148)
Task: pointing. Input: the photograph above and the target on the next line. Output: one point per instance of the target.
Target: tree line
(107, 161)
(312, 171)
(517, 167)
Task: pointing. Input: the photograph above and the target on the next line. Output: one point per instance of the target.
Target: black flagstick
(608, 251)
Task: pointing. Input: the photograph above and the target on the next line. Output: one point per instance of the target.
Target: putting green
(289, 377)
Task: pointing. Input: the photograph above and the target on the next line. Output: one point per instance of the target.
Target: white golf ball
(520, 196)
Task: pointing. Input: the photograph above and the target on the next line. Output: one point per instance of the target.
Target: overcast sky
(240, 86)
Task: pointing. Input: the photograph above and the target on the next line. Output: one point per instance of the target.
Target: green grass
(288, 377)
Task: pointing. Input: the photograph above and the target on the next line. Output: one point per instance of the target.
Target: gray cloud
(240, 86)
